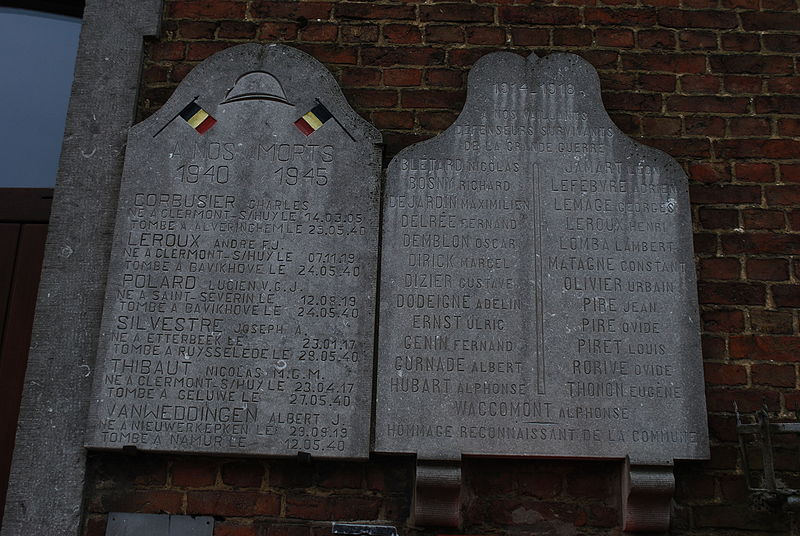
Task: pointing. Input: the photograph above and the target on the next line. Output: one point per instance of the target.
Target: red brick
(671, 63)
(192, 29)
(742, 84)
(456, 13)
(765, 347)
(600, 59)
(444, 77)
(709, 172)
(206, 9)
(779, 104)
(138, 501)
(402, 77)
(203, 49)
(792, 401)
(243, 474)
(317, 31)
(757, 148)
(485, 35)
(754, 243)
(782, 42)
(705, 243)
(360, 33)
(676, 18)
(768, 269)
(788, 127)
(328, 53)
(751, 64)
(431, 98)
(724, 194)
(573, 37)
(754, 172)
(725, 374)
(657, 82)
(786, 295)
(373, 98)
(628, 123)
(728, 321)
(590, 481)
(700, 83)
(402, 34)
(614, 37)
(435, 120)
(278, 31)
(790, 172)
(232, 503)
(444, 34)
(466, 57)
(782, 195)
(707, 104)
(726, 268)
(774, 322)
(340, 475)
(747, 127)
(237, 30)
(286, 530)
(611, 81)
(384, 56)
(697, 40)
(731, 293)
(713, 347)
(740, 42)
(661, 126)
(539, 15)
(718, 218)
(154, 74)
(759, 219)
(360, 77)
(225, 528)
(280, 9)
(704, 125)
(346, 508)
(167, 51)
(198, 473)
(530, 37)
(393, 119)
(632, 101)
(753, 21)
(748, 400)
(658, 39)
(619, 17)
(370, 11)
(773, 375)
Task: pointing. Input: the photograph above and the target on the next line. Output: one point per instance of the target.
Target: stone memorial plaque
(239, 314)
(538, 291)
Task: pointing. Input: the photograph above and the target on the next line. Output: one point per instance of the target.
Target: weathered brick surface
(713, 82)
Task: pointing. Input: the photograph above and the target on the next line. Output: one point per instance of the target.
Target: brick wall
(715, 83)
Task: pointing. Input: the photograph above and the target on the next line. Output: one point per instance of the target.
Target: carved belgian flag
(310, 122)
(197, 118)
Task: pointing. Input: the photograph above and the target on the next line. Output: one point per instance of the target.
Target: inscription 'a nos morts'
(538, 293)
(239, 308)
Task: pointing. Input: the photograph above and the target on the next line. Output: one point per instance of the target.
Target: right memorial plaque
(538, 294)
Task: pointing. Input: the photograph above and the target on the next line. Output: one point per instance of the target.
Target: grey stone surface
(125, 524)
(239, 314)
(538, 293)
(47, 474)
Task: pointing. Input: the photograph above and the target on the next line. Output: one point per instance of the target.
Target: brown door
(24, 213)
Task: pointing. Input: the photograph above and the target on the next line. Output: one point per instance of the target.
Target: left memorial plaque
(239, 310)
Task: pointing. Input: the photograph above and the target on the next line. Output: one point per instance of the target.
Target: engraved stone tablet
(239, 311)
(538, 290)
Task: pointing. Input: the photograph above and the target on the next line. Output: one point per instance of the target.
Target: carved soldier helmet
(256, 85)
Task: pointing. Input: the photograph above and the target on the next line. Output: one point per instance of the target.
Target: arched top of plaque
(538, 293)
(277, 79)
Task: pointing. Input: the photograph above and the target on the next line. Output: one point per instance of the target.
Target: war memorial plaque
(538, 292)
(239, 314)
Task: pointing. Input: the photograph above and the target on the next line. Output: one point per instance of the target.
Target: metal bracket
(647, 492)
(364, 530)
(768, 494)
(437, 494)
